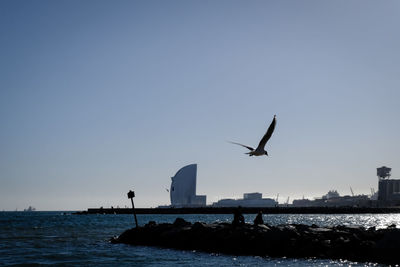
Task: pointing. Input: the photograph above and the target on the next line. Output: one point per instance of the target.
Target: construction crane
(352, 193)
(287, 201)
(372, 191)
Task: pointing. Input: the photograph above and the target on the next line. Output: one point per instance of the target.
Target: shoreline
(245, 210)
(289, 240)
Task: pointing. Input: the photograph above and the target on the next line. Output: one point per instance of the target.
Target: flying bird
(260, 151)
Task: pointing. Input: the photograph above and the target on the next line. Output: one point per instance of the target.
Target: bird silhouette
(260, 150)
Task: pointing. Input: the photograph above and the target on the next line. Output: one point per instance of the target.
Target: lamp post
(131, 195)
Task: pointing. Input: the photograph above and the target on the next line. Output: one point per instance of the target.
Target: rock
(321, 230)
(392, 226)
(263, 227)
(340, 242)
(199, 226)
(150, 224)
(181, 222)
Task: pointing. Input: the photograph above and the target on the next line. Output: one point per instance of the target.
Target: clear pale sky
(100, 97)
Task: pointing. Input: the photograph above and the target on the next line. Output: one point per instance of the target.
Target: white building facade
(248, 200)
(183, 188)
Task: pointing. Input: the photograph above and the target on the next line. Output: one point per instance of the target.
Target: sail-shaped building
(183, 188)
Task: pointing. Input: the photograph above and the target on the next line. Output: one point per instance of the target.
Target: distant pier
(246, 210)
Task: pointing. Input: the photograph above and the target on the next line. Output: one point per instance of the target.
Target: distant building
(388, 195)
(249, 196)
(333, 199)
(183, 188)
(389, 189)
(30, 208)
(308, 203)
(331, 194)
(383, 172)
(349, 201)
(248, 200)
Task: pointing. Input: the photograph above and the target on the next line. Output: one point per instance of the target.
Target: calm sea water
(44, 238)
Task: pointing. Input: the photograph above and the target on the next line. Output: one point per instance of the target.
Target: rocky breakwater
(292, 240)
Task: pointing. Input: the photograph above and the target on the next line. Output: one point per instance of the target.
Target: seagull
(260, 151)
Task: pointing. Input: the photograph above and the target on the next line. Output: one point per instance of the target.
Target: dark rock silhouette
(292, 240)
(238, 218)
(258, 219)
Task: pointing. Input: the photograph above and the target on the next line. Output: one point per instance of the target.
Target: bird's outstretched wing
(268, 134)
(248, 147)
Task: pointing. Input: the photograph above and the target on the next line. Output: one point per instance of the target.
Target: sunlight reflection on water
(365, 220)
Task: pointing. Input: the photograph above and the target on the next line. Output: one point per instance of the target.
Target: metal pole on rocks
(131, 195)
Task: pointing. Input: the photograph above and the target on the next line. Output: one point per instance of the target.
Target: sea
(64, 239)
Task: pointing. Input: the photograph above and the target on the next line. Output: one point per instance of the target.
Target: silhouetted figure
(258, 219)
(238, 218)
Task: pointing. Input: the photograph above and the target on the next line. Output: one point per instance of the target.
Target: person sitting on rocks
(238, 218)
(259, 219)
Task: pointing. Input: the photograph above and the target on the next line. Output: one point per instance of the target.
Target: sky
(101, 97)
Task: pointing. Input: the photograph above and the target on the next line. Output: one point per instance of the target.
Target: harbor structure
(183, 188)
(184, 200)
(388, 189)
(248, 200)
(333, 199)
(388, 195)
